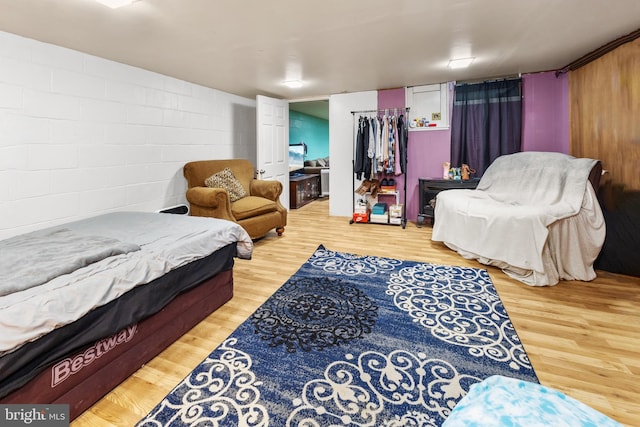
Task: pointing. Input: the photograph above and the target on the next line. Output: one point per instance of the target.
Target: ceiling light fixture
(293, 84)
(460, 63)
(114, 4)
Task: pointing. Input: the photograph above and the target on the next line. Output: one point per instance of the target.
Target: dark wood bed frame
(128, 350)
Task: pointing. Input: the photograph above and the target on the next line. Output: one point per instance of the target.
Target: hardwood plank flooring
(582, 338)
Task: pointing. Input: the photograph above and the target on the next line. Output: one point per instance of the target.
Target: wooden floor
(582, 338)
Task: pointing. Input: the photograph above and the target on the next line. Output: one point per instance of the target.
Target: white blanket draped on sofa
(535, 215)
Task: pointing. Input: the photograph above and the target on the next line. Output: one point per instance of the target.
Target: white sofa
(534, 214)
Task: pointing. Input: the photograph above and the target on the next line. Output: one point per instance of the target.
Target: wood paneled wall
(604, 112)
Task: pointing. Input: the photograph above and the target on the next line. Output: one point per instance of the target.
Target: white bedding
(534, 215)
(50, 255)
(166, 241)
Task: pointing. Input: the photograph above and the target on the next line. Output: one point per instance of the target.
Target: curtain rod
(381, 110)
(601, 51)
(489, 80)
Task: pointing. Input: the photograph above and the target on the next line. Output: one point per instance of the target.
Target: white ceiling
(249, 47)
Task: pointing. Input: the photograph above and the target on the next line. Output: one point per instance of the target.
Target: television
(297, 153)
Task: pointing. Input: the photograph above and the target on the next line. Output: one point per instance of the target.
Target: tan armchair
(258, 212)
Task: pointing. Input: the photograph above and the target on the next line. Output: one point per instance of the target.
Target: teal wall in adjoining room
(312, 131)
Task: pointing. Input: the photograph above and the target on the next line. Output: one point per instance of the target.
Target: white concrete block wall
(82, 135)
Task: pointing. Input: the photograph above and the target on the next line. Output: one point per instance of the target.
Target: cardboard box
(395, 220)
(396, 210)
(360, 217)
(379, 218)
(360, 209)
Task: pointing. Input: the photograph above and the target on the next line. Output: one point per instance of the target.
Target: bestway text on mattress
(69, 366)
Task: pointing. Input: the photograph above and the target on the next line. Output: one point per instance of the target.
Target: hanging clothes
(381, 146)
(397, 169)
(403, 138)
(360, 151)
(371, 153)
(385, 143)
(393, 130)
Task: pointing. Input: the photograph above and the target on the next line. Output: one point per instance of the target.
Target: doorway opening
(309, 136)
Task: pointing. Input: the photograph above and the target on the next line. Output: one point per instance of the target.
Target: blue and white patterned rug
(354, 340)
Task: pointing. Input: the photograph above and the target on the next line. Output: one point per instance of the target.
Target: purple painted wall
(427, 151)
(391, 98)
(545, 112)
(394, 98)
(545, 128)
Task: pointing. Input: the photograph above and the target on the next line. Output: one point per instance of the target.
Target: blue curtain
(486, 122)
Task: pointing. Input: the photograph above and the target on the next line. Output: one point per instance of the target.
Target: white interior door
(272, 142)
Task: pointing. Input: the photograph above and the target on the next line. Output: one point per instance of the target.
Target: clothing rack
(385, 111)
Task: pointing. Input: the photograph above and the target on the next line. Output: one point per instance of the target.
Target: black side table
(429, 189)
